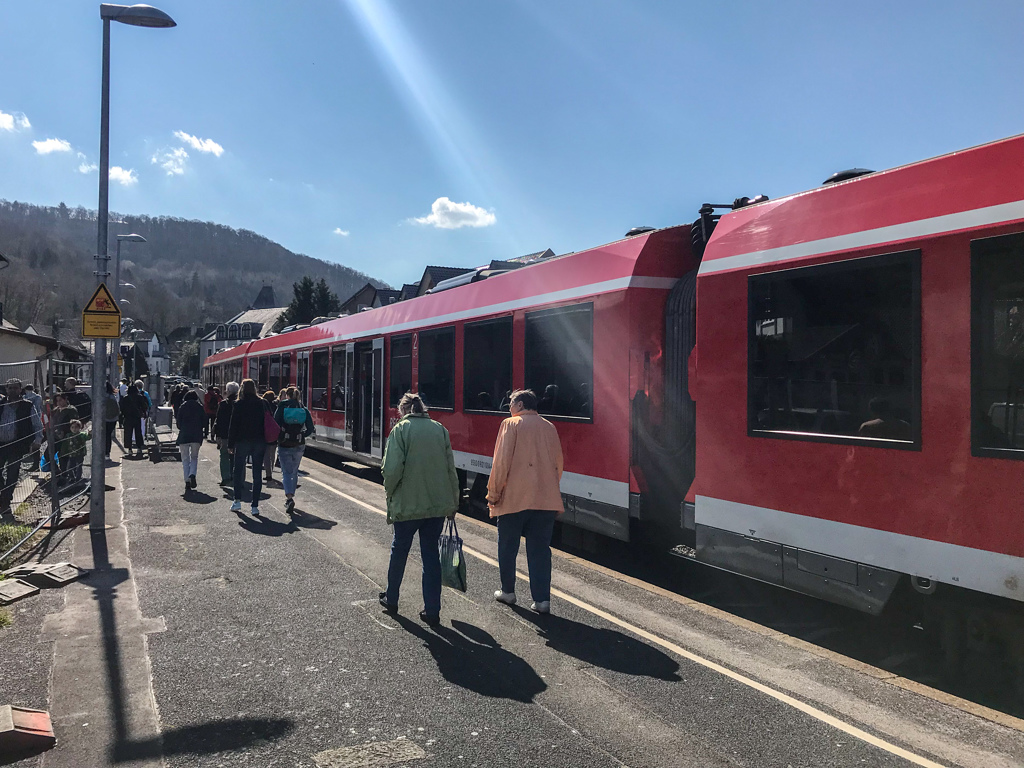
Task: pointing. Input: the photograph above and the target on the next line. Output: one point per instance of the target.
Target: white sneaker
(236, 507)
(544, 606)
(508, 598)
(255, 511)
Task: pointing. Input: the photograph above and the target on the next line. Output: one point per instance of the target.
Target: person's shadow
(601, 647)
(193, 496)
(470, 658)
(264, 526)
(309, 520)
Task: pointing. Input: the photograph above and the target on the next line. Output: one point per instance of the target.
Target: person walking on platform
(211, 402)
(523, 494)
(422, 489)
(176, 398)
(296, 425)
(221, 430)
(30, 394)
(20, 433)
(111, 413)
(133, 409)
(270, 398)
(66, 413)
(190, 418)
(247, 440)
(72, 450)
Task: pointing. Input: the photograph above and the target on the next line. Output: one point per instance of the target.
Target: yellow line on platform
(802, 706)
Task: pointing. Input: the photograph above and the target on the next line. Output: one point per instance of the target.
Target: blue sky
(554, 124)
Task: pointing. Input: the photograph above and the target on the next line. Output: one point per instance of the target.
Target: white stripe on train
(937, 225)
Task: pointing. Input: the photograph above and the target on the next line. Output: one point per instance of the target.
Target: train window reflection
(437, 367)
(263, 377)
(318, 375)
(487, 365)
(997, 346)
(834, 351)
(560, 359)
(338, 379)
(401, 367)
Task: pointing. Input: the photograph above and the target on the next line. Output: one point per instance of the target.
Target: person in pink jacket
(524, 496)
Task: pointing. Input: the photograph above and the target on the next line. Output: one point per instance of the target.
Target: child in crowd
(72, 451)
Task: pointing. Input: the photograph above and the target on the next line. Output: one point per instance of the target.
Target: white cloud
(124, 177)
(17, 121)
(340, 231)
(200, 145)
(444, 214)
(85, 167)
(171, 160)
(51, 145)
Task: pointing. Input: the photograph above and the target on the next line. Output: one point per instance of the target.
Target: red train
(824, 391)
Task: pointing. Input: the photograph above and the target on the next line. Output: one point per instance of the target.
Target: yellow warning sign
(102, 302)
(101, 326)
(101, 318)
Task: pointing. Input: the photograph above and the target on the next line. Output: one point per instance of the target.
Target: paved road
(260, 643)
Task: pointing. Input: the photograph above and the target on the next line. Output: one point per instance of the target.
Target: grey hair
(411, 403)
(231, 388)
(138, 383)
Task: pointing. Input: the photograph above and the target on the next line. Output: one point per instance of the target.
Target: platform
(206, 637)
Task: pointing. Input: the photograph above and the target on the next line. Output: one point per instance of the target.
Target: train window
(302, 375)
(338, 379)
(997, 346)
(401, 367)
(320, 380)
(835, 352)
(560, 359)
(286, 369)
(263, 377)
(437, 367)
(487, 364)
(275, 373)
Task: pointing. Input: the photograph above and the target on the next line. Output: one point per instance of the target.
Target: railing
(44, 477)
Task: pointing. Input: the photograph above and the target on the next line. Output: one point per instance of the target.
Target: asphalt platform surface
(224, 640)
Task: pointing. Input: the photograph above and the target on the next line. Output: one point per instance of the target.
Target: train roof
(633, 262)
(981, 186)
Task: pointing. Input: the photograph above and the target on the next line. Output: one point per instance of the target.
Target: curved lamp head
(136, 15)
(132, 238)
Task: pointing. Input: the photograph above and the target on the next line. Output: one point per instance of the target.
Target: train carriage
(583, 330)
(824, 391)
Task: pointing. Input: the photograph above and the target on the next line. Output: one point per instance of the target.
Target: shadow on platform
(470, 658)
(601, 647)
(205, 739)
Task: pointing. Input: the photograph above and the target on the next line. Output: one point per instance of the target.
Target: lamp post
(138, 16)
(132, 238)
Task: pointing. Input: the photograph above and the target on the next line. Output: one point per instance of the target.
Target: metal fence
(44, 478)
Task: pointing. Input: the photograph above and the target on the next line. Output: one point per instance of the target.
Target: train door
(302, 377)
(350, 399)
(364, 410)
(377, 406)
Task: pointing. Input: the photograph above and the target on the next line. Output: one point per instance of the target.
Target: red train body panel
(852, 357)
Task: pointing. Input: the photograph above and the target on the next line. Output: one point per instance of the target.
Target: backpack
(294, 423)
(111, 410)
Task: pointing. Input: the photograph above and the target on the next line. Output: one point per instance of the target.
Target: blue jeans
(430, 532)
(244, 449)
(537, 525)
(290, 458)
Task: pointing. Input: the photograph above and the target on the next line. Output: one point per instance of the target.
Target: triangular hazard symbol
(102, 302)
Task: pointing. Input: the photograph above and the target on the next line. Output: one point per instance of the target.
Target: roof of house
(547, 253)
(265, 318)
(443, 273)
(386, 295)
(265, 299)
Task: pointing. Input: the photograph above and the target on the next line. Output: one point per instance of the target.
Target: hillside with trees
(187, 272)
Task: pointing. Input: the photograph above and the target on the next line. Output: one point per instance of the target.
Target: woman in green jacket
(422, 489)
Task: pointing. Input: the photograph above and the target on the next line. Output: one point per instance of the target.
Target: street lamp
(118, 285)
(139, 16)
